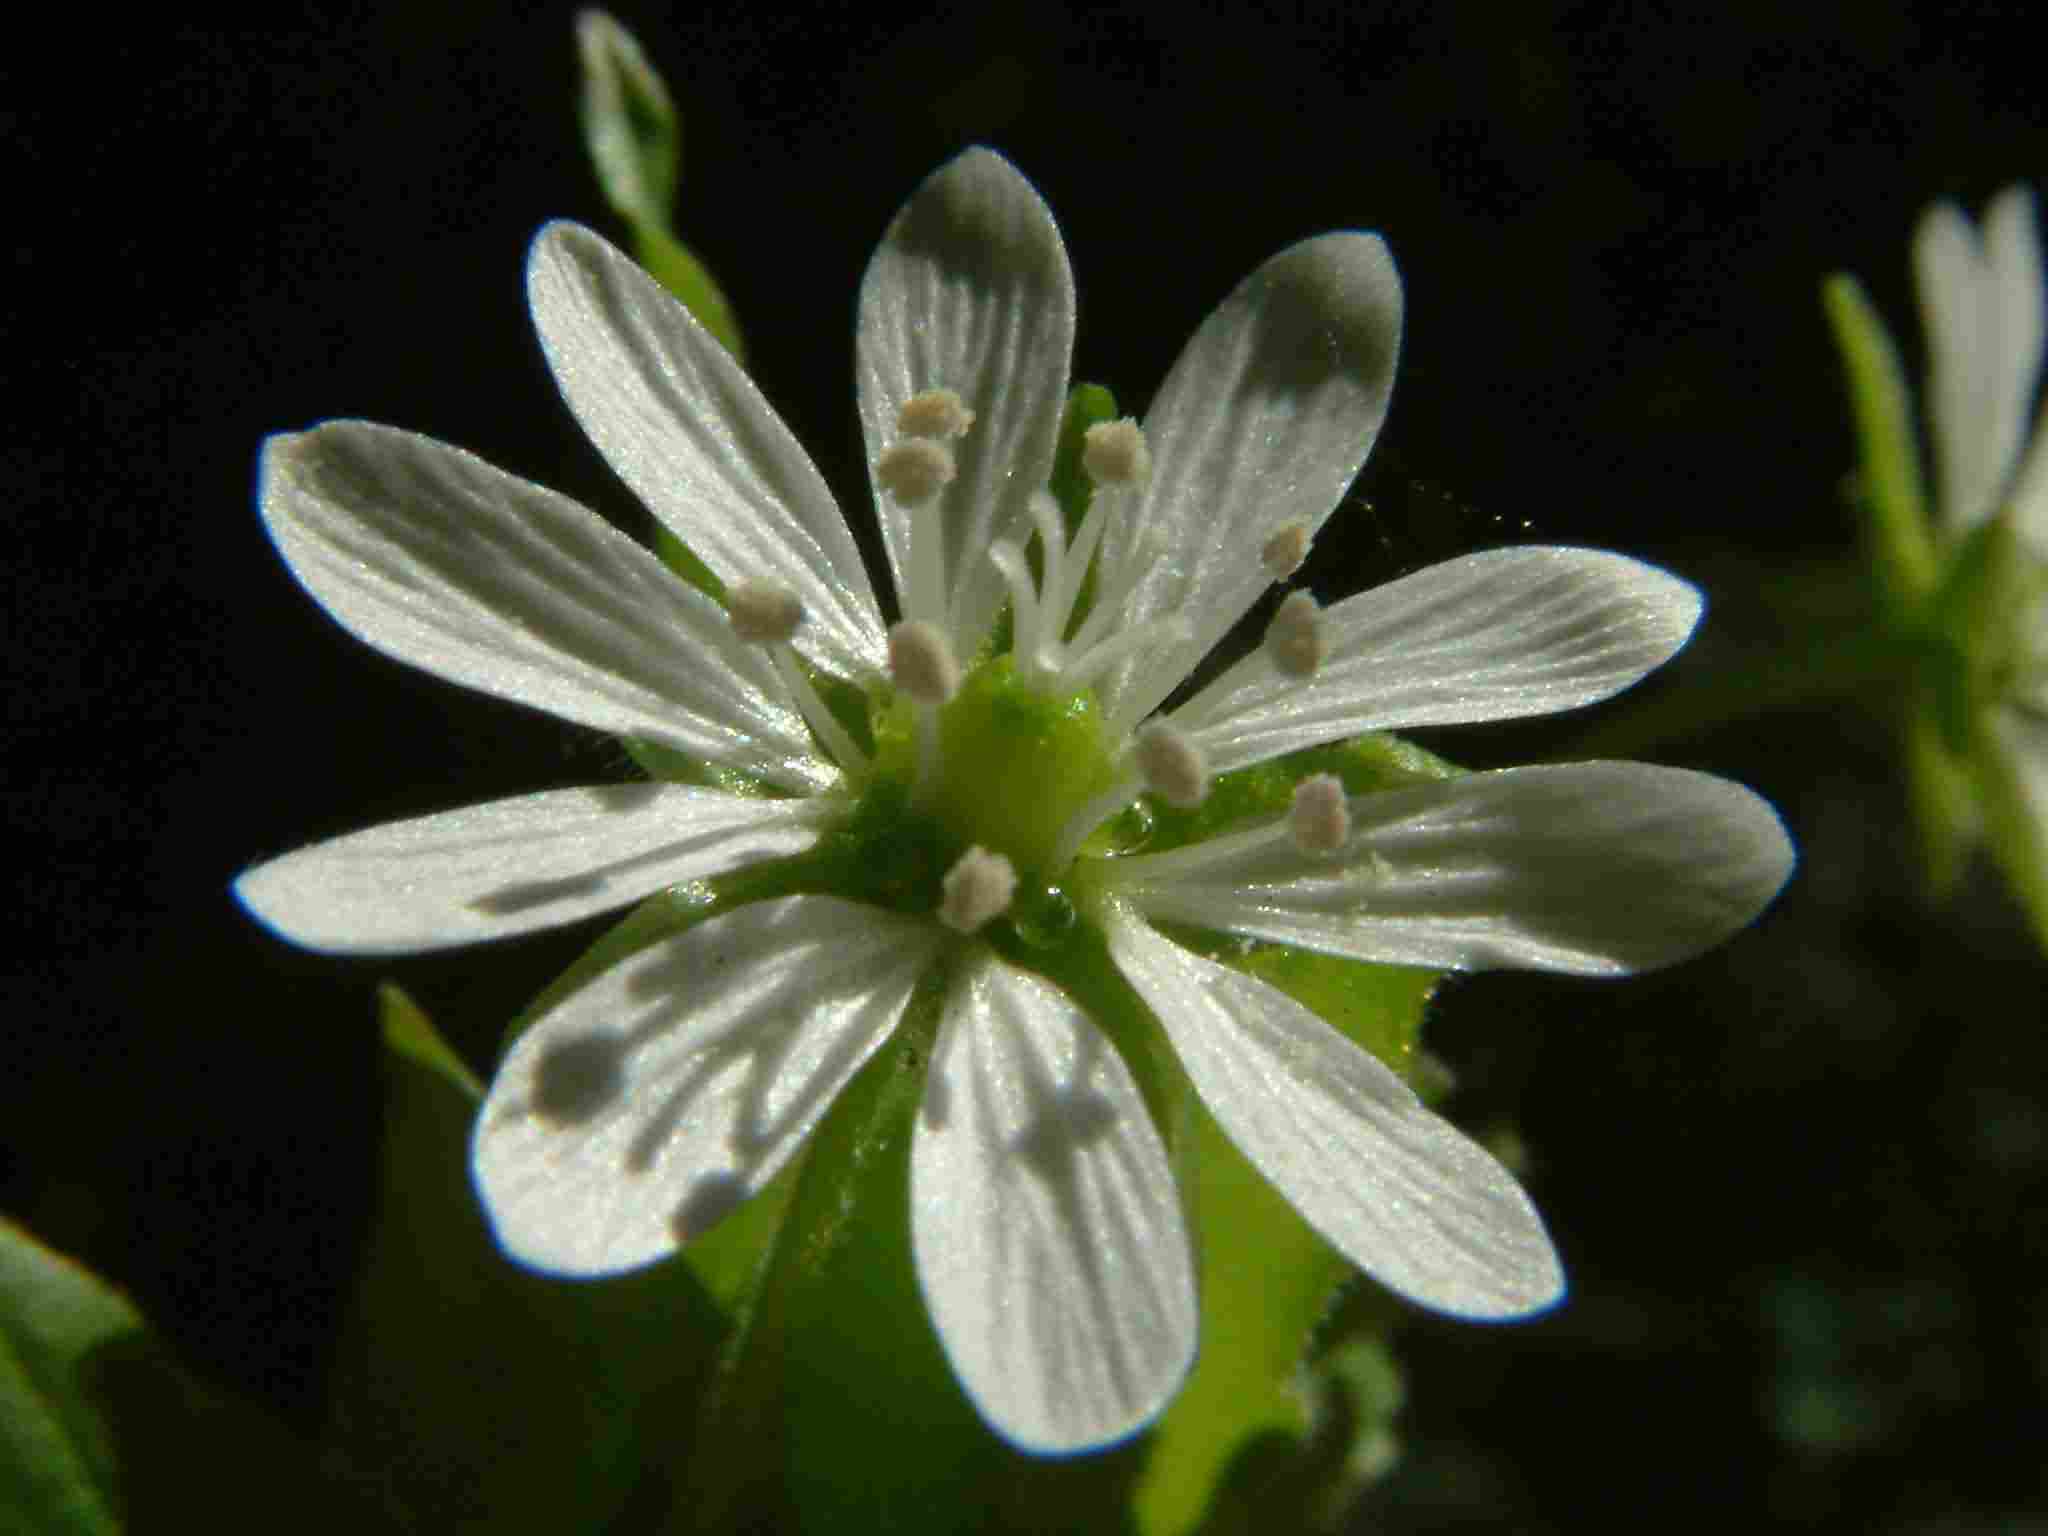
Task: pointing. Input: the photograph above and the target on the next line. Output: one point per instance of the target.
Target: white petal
(686, 429)
(1049, 1238)
(1594, 868)
(1983, 308)
(671, 1088)
(1493, 636)
(1395, 1188)
(434, 557)
(1263, 422)
(969, 291)
(514, 866)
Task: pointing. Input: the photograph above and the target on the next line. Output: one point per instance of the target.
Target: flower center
(1015, 766)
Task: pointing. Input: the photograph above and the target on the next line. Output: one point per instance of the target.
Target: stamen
(914, 470)
(1319, 820)
(823, 723)
(763, 612)
(1295, 640)
(1137, 563)
(976, 889)
(1009, 559)
(1115, 455)
(1171, 765)
(1285, 550)
(921, 662)
(935, 413)
(1091, 815)
(1092, 663)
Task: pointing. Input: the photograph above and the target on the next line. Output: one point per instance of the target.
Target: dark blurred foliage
(1799, 1184)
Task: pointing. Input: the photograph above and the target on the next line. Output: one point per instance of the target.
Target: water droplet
(1042, 917)
(1132, 827)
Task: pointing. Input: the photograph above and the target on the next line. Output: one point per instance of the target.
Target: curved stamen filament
(1092, 814)
(1091, 664)
(823, 723)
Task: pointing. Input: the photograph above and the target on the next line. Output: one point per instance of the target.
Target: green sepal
(1352, 1395)
(1943, 795)
(2013, 827)
(836, 1410)
(488, 1397)
(1891, 488)
(102, 1430)
(1244, 1421)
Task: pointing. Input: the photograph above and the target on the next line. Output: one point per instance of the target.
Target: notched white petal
(655, 1099)
(968, 292)
(433, 556)
(1503, 634)
(515, 866)
(1394, 1187)
(1264, 420)
(682, 424)
(1592, 868)
(1048, 1234)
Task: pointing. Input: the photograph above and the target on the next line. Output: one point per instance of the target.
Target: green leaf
(488, 1397)
(58, 1467)
(1891, 486)
(101, 1428)
(634, 136)
(629, 122)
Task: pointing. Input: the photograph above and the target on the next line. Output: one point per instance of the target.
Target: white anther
(921, 662)
(1295, 640)
(763, 612)
(1171, 765)
(936, 413)
(1114, 453)
(1285, 550)
(914, 470)
(976, 889)
(1319, 821)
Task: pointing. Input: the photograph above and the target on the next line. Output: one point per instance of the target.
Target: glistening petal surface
(1592, 868)
(1049, 1239)
(969, 291)
(1395, 1188)
(514, 866)
(1492, 636)
(1264, 421)
(442, 561)
(686, 429)
(660, 1095)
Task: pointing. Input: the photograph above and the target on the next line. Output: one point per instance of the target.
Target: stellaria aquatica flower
(1006, 726)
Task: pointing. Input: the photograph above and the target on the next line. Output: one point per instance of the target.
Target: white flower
(1982, 298)
(1048, 1234)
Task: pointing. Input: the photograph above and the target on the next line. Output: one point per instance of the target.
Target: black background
(1799, 1184)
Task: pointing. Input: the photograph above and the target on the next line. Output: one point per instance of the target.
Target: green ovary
(1014, 766)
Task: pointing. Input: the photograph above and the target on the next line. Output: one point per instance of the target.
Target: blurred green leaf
(487, 1397)
(101, 1430)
